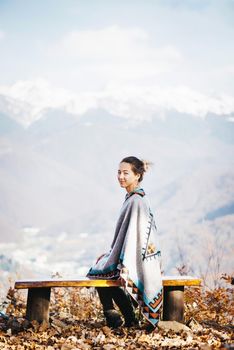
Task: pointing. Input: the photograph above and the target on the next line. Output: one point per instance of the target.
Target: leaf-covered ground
(76, 322)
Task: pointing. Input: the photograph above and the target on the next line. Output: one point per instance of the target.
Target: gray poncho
(134, 256)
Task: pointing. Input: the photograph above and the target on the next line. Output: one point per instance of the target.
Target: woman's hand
(99, 258)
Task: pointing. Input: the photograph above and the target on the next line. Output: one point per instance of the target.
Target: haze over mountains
(60, 198)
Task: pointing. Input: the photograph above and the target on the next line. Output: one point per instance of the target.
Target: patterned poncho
(134, 256)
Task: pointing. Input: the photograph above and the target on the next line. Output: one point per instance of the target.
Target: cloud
(92, 60)
(27, 101)
(112, 43)
(116, 52)
(108, 43)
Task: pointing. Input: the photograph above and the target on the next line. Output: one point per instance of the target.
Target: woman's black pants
(108, 295)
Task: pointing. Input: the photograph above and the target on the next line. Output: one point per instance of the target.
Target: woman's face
(126, 177)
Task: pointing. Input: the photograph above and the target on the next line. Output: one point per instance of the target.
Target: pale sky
(132, 58)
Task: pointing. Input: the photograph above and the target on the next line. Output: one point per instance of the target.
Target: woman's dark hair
(138, 166)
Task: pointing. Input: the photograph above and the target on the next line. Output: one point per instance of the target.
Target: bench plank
(181, 281)
(86, 282)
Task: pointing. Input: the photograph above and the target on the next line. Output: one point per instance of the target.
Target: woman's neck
(131, 188)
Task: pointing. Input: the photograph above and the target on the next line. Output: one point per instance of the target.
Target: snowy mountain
(59, 175)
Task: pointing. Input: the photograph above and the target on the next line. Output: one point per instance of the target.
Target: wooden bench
(38, 299)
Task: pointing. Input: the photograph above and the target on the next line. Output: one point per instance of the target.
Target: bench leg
(38, 303)
(173, 303)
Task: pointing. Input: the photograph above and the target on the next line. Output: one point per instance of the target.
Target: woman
(134, 254)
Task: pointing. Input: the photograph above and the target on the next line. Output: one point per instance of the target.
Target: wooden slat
(86, 282)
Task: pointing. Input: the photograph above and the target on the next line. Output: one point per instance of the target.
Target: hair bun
(146, 164)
